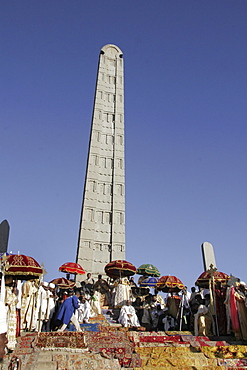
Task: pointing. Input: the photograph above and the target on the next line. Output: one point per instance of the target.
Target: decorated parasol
(148, 270)
(169, 283)
(63, 283)
(72, 268)
(209, 275)
(22, 267)
(120, 268)
(149, 282)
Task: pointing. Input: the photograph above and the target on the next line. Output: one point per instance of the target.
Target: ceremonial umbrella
(63, 283)
(149, 282)
(72, 268)
(216, 276)
(148, 270)
(22, 267)
(169, 283)
(120, 268)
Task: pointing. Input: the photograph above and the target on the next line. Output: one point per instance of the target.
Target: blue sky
(185, 121)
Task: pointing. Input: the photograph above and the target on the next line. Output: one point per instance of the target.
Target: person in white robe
(121, 292)
(128, 316)
(203, 321)
(95, 303)
(28, 305)
(42, 310)
(3, 330)
(52, 297)
(84, 311)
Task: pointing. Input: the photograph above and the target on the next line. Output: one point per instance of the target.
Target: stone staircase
(150, 351)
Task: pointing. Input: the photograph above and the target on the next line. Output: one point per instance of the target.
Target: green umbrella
(148, 270)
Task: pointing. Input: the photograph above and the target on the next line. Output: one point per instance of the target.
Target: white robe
(43, 308)
(95, 303)
(128, 317)
(84, 312)
(121, 292)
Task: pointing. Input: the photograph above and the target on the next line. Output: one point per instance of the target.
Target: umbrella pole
(215, 312)
(181, 312)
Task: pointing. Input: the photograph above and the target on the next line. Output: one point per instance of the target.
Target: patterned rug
(225, 352)
(95, 327)
(63, 339)
(87, 361)
(25, 352)
(196, 341)
(175, 358)
(25, 344)
(113, 345)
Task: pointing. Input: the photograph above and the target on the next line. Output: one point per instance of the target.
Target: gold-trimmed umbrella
(72, 268)
(120, 268)
(63, 283)
(149, 282)
(22, 267)
(148, 269)
(207, 276)
(169, 283)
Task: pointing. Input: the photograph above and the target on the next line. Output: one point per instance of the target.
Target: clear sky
(185, 127)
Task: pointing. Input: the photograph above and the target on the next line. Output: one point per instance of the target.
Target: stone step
(45, 365)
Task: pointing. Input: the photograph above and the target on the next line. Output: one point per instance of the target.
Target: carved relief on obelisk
(102, 225)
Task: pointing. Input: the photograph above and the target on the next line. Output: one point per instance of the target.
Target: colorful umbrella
(217, 276)
(148, 270)
(22, 267)
(63, 283)
(149, 282)
(169, 283)
(120, 268)
(72, 268)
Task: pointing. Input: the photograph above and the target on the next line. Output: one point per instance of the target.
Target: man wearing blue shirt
(67, 312)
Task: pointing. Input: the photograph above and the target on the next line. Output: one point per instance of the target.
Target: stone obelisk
(102, 225)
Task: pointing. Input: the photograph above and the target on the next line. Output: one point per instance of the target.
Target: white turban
(3, 318)
(45, 283)
(51, 285)
(242, 283)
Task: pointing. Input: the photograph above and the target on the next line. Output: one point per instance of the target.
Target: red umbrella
(169, 283)
(120, 268)
(204, 278)
(23, 267)
(72, 268)
(63, 283)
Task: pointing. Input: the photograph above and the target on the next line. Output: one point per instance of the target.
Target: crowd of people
(40, 306)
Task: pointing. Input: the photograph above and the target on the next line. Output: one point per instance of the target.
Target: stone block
(45, 356)
(45, 365)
